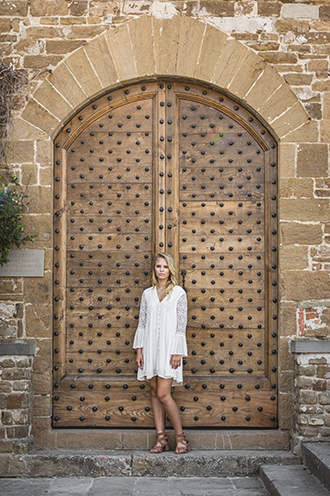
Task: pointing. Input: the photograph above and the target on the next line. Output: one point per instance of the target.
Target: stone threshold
(144, 439)
(221, 463)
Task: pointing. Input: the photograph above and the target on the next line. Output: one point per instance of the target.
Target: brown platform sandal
(183, 441)
(161, 444)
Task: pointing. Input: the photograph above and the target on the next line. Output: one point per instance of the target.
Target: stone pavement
(134, 486)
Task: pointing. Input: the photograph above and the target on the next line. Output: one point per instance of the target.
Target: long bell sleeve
(179, 345)
(139, 334)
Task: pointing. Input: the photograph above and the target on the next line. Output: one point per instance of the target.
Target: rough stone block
(307, 397)
(78, 7)
(80, 66)
(41, 61)
(312, 160)
(17, 8)
(99, 56)
(294, 257)
(37, 290)
(38, 320)
(288, 319)
(20, 152)
(143, 50)
(305, 285)
(54, 8)
(305, 210)
(42, 406)
(120, 46)
(292, 187)
(296, 233)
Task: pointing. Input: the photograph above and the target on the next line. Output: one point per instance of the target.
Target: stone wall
(312, 384)
(15, 403)
(51, 39)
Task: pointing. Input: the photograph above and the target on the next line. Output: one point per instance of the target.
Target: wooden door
(165, 166)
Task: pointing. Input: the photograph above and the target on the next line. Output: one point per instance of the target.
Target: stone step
(316, 458)
(216, 463)
(291, 481)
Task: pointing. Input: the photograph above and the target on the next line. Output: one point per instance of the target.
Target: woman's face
(161, 269)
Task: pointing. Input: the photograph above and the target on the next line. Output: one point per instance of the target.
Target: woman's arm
(179, 346)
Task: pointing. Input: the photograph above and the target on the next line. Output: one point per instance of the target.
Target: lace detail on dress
(181, 312)
(139, 334)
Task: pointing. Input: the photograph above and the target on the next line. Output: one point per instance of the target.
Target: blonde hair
(172, 279)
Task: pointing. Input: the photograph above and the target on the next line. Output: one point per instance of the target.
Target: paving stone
(28, 487)
(112, 486)
(74, 486)
(289, 481)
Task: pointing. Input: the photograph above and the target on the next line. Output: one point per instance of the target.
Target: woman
(160, 340)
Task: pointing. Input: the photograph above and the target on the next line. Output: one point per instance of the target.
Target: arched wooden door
(176, 167)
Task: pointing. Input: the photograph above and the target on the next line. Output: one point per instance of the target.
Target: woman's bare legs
(157, 407)
(165, 399)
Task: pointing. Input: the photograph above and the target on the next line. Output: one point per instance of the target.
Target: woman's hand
(175, 361)
(139, 358)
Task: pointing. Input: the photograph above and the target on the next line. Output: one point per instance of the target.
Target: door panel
(181, 168)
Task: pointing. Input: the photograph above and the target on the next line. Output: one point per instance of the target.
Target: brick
(6, 446)
(166, 39)
(312, 160)
(38, 116)
(300, 11)
(80, 66)
(10, 8)
(308, 370)
(52, 101)
(78, 7)
(54, 8)
(6, 417)
(15, 374)
(307, 397)
(18, 432)
(99, 56)
(294, 257)
(296, 233)
(63, 46)
(5, 386)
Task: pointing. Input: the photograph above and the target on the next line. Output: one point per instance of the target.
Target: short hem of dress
(174, 383)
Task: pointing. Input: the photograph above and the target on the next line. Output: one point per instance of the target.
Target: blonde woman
(160, 341)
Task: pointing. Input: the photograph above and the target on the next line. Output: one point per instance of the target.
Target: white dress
(161, 333)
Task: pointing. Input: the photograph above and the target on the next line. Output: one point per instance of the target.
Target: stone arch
(180, 47)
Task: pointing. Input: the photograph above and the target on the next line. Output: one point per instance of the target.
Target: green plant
(12, 205)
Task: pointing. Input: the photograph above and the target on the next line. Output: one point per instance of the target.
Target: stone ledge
(310, 346)
(17, 349)
(141, 463)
